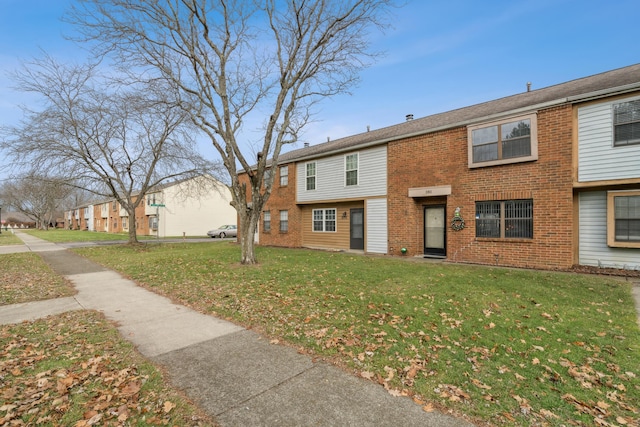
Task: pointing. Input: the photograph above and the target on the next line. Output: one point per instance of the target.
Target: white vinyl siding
(598, 159)
(330, 177)
(376, 226)
(593, 248)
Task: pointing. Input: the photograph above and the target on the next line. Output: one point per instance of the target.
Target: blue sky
(440, 55)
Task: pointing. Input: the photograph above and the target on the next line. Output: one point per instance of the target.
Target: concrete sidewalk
(234, 374)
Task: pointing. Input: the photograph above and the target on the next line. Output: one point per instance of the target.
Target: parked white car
(223, 231)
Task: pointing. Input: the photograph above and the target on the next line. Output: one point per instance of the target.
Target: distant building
(188, 207)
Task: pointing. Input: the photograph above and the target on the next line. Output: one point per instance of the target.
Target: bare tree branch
(234, 59)
(116, 138)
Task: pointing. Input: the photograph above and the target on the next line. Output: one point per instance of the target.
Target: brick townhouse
(547, 178)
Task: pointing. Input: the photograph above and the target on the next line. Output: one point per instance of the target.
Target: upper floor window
(351, 169)
(114, 205)
(324, 220)
(266, 219)
(311, 176)
(626, 123)
(505, 141)
(284, 176)
(510, 219)
(623, 219)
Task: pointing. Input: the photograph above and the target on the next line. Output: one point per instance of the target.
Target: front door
(435, 231)
(356, 229)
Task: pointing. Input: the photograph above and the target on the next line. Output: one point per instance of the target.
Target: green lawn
(26, 277)
(59, 235)
(510, 347)
(8, 238)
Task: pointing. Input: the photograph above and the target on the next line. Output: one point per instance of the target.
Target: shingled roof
(616, 81)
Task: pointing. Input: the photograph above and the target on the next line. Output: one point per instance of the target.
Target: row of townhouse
(173, 209)
(547, 178)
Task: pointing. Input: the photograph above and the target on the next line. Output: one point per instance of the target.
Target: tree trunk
(248, 224)
(133, 237)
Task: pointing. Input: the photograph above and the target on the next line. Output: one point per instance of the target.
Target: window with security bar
(506, 219)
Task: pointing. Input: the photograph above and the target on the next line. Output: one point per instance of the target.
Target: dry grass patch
(75, 370)
(26, 277)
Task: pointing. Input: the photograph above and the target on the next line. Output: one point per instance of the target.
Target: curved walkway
(234, 374)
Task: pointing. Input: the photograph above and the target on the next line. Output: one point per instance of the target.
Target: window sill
(625, 245)
(503, 240)
(502, 162)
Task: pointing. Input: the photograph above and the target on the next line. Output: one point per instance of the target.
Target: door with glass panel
(356, 229)
(435, 231)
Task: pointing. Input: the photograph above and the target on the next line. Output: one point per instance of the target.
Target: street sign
(157, 205)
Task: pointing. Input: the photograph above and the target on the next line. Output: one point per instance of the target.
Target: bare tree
(234, 59)
(113, 139)
(38, 198)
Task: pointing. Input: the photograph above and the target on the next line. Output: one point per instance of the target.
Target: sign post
(157, 206)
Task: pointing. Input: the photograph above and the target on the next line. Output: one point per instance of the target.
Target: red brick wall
(441, 159)
(281, 198)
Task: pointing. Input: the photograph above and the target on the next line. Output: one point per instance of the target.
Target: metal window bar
(518, 219)
(487, 219)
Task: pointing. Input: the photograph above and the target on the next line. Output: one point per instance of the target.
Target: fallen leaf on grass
(428, 407)
(480, 384)
(548, 414)
(451, 392)
(366, 374)
(168, 406)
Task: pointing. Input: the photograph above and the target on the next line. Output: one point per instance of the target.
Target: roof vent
(409, 117)
(328, 139)
(528, 86)
(306, 145)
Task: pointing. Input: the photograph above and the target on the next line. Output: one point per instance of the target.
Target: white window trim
(284, 213)
(349, 170)
(611, 220)
(315, 176)
(533, 117)
(266, 214)
(286, 175)
(613, 123)
(324, 220)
